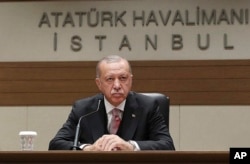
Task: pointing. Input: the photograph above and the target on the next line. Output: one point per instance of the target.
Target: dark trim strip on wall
(189, 82)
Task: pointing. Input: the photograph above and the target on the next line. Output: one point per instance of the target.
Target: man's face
(115, 81)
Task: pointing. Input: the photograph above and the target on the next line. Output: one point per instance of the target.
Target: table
(73, 157)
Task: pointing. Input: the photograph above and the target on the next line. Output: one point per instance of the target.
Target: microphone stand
(75, 147)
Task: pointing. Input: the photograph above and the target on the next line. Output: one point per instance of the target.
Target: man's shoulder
(141, 98)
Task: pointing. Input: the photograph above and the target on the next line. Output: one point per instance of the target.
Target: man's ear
(98, 83)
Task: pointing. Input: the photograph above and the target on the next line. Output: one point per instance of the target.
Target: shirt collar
(109, 106)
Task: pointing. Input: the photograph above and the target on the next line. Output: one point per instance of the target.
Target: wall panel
(186, 82)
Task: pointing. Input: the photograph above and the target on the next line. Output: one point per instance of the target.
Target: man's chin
(117, 98)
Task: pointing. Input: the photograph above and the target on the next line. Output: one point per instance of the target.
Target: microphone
(78, 125)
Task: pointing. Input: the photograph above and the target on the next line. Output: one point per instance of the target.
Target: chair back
(164, 103)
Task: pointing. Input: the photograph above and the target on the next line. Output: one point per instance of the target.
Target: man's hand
(91, 148)
(110, 143)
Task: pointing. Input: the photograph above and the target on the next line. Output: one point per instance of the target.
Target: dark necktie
(115, 121)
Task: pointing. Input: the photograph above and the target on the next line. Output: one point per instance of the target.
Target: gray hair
(110, 59)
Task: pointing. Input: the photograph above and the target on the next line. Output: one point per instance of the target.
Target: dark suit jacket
(141, 122)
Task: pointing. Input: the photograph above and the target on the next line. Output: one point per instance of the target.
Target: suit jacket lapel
(130, 119)
(98, 123)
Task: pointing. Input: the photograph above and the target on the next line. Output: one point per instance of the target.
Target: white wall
(192, 127)
(31, 42)
(210, 127)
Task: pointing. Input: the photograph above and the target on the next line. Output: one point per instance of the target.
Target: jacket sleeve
(64, 138)
(155, 132)
(158, 134)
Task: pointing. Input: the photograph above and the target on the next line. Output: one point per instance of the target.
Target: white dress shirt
(110, 107)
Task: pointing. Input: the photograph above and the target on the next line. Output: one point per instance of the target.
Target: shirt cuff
(83, 146)
(135, 145)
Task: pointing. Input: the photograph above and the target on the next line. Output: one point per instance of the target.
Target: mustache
(117, 92)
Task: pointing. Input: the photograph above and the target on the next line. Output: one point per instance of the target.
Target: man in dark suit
(142, 126)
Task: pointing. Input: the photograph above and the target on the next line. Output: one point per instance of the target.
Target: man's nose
(117, 83)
